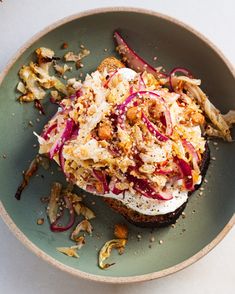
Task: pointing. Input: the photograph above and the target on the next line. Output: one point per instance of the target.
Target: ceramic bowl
(208, 216)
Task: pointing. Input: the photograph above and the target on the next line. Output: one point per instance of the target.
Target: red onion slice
(55, 227)
(123, 107)
(131, 89)
(169, 128)
(113, 188)
(133, 59)
(91, 189)
(186, 172)
(46, 134)
(111, 76)
(191, 150)
(64, 137)
(153, 130)
(183, 70)
(101, 177)
(142, 85)
(144, 188)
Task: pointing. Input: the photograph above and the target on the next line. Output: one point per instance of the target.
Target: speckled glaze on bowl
(208, 217)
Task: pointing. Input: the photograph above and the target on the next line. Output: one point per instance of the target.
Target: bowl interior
(206, 214)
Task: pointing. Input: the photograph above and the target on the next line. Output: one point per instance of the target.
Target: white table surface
(23, 272)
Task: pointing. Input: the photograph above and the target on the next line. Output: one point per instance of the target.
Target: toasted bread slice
(110, 64)
(142, 220)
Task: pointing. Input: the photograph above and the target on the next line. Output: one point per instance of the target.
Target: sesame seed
(4, 156)
(200, 193)
(82, 46)
(206, 181)
(213, 158)
(138, 236)
(173, 226)
(152, 239)
(155, 58)
(215, 143)
(105, 49)
(160, 241)
(37, 119)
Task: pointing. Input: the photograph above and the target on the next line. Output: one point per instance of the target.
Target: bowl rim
(40, 253)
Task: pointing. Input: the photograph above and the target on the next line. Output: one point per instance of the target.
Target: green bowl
(208, 216)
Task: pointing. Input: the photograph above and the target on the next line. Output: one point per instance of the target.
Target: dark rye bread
(142, 220)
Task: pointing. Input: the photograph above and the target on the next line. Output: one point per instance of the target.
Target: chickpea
(198, 118)
(105, 132)
(132, 113)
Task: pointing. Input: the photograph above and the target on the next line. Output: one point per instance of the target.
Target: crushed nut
(64, 45)
(40, 221)
(121, 231)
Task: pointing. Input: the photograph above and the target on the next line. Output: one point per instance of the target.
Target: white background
(23, 272)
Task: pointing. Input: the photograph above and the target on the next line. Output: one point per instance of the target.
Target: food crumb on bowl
(139, 237)
(152, 239)
(121, 231)
(64, 45)
(40, 221)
